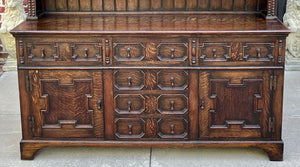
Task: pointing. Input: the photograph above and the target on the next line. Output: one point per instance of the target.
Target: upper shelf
(186, 23)
(36, 7)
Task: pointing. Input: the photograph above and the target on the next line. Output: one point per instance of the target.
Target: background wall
(3, 53)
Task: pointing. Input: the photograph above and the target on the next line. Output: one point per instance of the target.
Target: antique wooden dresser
(151, 73)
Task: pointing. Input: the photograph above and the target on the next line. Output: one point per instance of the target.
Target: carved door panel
(234, 103)
(66, 103)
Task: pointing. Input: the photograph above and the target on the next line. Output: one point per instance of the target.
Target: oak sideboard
(151, 73)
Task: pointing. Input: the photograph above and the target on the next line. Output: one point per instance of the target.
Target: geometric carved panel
(235, 105)
(67, 104)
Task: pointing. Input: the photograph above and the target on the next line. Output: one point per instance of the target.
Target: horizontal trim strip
(154, 67)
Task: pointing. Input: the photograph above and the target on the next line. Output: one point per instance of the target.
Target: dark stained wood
(108, 108)
(159, 23)
(151, 73)
(73, 5)
(61, 5)
(97, 5)
(144, 4)
(121, 5)
(274, 149)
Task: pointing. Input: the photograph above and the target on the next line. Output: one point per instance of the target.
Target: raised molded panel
(129, 79)
(67, 104)
(215, 51)
(264, 52)
(86, 52)
(129, 51)
(173, 128)
(172, 51)
(172, 104)
(43, 51)
(234, 103)
(172, 80)
(129, 104)
(129, 128)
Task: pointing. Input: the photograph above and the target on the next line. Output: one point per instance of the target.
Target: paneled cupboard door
(66, 103)
(235, 104)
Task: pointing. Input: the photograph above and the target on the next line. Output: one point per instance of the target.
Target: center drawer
(150, 51)
(150, 79)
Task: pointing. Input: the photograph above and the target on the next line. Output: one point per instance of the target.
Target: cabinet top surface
(191, 23)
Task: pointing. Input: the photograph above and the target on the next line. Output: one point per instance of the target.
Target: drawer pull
(43, 53)
(193, 52)
(172, 53)
(202, 105)
(86, 54)
(172, 105)
(130, 129)
(107, 52)
(129, 105)
(214, 52)
(172, 79)
(129, 81)
(128, 53)
(99, 104)
(258, 52)
(172, 129)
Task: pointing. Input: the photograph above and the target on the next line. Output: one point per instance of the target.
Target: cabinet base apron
(274, 149)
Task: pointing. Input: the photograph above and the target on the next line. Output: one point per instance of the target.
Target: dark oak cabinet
(145, 73)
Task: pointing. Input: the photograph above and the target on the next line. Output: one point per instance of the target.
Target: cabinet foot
(28, 150)
(274, 151)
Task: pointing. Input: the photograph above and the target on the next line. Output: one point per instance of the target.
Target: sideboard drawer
(259, 52)
(173, 128)
(129, 51)
(129, 79)
(238, 52)
(129, 104)
(172, 51)
(172, 104)
(129, 128)
(172, 80)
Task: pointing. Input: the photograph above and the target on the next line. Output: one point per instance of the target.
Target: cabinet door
(66, 103)
(234, 103)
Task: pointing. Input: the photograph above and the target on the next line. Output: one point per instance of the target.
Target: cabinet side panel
(278, 103)
(24, 104)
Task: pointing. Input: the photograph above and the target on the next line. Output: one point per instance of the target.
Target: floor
(10, 135)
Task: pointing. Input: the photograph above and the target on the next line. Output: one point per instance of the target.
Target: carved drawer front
(260, 52)
(86, 52)
(129, 128)
(129, 79)
(211, 52)
(173, 128)
(172, 80)
(129, 51)
(39, 52)
(129, 104)
(172, 104)
(172, 51)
